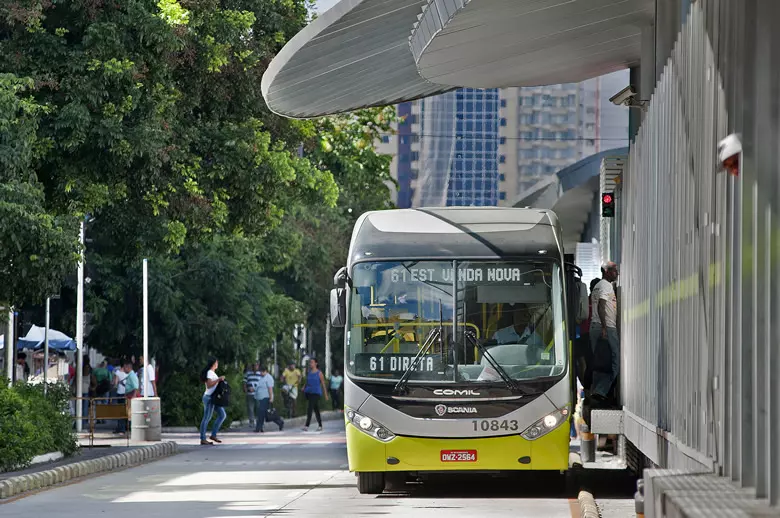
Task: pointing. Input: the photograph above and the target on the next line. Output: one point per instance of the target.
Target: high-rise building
(551, 127)
(457, 162)
(487, 147)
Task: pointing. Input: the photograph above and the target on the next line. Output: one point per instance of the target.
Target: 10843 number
(495, 425)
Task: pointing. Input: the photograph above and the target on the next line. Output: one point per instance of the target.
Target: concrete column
(668, 20)
(635, 115)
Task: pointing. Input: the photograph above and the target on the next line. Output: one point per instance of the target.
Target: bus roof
(455, 232)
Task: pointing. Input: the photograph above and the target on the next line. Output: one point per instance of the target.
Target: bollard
(587, 444)
(5, 489)
(639, 498)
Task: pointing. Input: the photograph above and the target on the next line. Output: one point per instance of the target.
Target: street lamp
(80, 323)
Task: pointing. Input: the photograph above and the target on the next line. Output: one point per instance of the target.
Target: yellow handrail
(419, 324)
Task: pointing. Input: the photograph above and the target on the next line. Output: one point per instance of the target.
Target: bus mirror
(341, 279)
(338, 307)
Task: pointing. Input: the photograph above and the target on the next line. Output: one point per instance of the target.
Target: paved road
(281, 474)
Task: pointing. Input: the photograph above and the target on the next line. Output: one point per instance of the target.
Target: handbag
(221, 395)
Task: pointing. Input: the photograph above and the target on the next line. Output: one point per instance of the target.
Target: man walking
(251, 378)
(264, 398)
(291, 377)
(603, 326)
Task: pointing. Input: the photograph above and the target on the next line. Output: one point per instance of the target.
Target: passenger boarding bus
(457, 354)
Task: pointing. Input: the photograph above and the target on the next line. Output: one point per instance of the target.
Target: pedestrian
(251, 377)
(148, 370)
(291, 377)
(314, 389)
(209, 377)
(335, 389)
(603, 326)
(126, 389)
(22, 371)
(264, 399)
(102, 381)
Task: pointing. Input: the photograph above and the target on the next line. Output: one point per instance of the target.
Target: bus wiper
(432, 336)
(510, 383)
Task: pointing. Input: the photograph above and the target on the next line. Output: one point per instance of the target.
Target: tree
(37, 248)
(154, 117)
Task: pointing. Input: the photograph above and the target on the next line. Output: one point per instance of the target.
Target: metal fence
(701, 254)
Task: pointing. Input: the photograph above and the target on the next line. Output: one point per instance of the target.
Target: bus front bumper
(510, 453)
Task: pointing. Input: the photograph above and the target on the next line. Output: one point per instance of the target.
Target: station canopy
(363, 53)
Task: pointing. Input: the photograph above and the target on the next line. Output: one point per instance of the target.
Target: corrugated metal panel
(670, 237)
(701, 255)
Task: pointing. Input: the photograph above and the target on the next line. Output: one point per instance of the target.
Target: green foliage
(37, 248)
(153, 115)
(33, 424)
(37, 251)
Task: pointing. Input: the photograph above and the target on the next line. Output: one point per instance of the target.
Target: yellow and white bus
(457, 354)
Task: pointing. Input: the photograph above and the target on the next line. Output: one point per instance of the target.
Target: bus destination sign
(483, 274)
(394, 363)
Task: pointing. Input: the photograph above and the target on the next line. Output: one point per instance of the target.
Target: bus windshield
(446, 310)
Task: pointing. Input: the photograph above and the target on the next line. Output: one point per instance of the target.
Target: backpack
(221, 395)
(103, 387)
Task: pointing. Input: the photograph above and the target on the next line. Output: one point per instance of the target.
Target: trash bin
(145, 419)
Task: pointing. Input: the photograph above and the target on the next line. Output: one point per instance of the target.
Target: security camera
(729, 150)
(623, 97)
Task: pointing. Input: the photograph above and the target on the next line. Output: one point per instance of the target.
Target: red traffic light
(606, 198)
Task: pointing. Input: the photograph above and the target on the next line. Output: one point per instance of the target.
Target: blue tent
(57, 340)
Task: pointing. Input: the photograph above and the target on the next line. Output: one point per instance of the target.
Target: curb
(329, 415)
(588, 507)
(16, 485)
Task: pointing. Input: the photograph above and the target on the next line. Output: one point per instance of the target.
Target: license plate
(459, 455)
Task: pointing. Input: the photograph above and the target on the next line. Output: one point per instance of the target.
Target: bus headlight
(369, 426)
(546, 424)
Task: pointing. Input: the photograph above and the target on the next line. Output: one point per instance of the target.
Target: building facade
(474, 147)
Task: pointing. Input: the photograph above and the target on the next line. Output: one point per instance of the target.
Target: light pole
(327, 346)
(46, 346)
(146, 331)
(80, 330)
(10, 347)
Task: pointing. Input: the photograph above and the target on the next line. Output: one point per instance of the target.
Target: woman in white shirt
(211, 380)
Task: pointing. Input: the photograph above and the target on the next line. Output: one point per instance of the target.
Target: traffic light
(608, 204)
